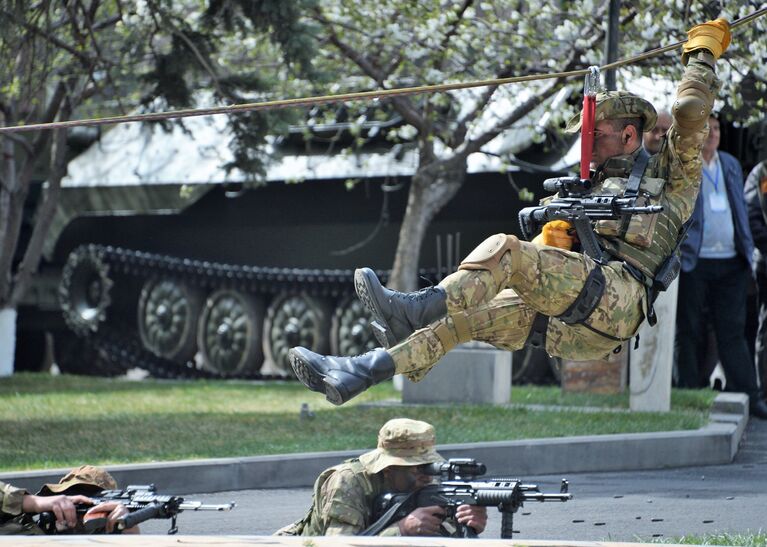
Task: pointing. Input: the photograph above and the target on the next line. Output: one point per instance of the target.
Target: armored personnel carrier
(161, 259)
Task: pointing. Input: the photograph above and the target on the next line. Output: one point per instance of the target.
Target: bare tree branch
(596, 36)
(85, 59)
(8, 216)
(451, 31)
(402, 104)
(474, 145)
(45, 213)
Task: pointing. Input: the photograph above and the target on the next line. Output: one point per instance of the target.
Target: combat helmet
(613, 105)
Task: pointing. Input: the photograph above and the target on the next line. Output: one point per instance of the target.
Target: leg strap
(452, 330)
(446, 336)
(462, 329)
(537, 336)
(587, 300)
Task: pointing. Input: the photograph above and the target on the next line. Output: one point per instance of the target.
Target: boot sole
(305, 373)
(381, 330)
(314, 380)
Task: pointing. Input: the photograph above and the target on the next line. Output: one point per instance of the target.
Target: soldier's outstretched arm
(694, 101)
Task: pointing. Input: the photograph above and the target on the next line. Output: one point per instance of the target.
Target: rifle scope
(456, 468)
(567, 185)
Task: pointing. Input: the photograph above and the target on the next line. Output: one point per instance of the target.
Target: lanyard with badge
(716, 200)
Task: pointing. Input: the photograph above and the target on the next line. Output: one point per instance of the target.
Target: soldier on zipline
(508, 292)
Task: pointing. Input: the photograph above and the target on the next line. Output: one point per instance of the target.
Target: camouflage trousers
(498, 304)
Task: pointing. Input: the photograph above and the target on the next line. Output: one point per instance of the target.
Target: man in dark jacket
(756, 203)
(716, 267)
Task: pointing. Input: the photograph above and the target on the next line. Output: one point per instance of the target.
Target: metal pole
(611, 43)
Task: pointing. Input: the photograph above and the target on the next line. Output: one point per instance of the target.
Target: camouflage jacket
(342, 503)
(672, 179)
(12, 520)
(756, 205)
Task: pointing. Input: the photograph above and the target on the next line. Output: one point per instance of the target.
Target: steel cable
(356, 96)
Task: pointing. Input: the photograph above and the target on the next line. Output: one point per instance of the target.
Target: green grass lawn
(60, 421)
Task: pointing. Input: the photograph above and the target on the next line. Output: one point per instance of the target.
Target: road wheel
(229, 334)
(167, 318)
(350, 332)
(84, 291)
(295, 320)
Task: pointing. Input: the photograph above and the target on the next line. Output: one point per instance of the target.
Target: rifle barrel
(538, 496)
(199, 506)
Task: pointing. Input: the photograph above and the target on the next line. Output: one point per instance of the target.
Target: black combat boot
(340, 378)
(396, 315)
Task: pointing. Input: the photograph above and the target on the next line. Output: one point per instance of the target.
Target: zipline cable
(344, 97)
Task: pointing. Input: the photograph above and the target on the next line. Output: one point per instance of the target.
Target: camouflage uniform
(343, 497)
(756, 204)
(504, 283)
(86, 480)
(12, 520)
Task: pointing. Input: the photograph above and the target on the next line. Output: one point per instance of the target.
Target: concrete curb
(715, 443)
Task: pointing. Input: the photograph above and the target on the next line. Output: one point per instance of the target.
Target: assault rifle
(576, 205)
(459, 486)
(143, 502)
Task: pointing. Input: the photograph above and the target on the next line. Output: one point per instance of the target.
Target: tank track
(126, 351)
(207, 274)
(121, 345)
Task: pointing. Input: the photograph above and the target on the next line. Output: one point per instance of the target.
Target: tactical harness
(594, 287)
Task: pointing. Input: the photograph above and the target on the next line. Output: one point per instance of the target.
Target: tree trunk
(432, 187)
(7, 340)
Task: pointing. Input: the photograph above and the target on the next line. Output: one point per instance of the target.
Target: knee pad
(692, 106)
(487, 255)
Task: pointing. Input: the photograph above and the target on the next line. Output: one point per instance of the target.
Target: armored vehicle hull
(224, 283)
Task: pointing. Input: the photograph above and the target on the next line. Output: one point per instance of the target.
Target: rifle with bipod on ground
(458, 486)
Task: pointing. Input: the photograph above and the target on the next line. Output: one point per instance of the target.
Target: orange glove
(713, 36)
(557, 233)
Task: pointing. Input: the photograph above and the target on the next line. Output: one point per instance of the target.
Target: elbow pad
(692, 106)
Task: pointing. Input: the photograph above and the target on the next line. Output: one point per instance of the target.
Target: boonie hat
(86, 477)
(614, 105)
(402, 441)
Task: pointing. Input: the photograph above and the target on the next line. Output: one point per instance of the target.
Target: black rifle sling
(387, 518)
(632, 186)
(637, 171)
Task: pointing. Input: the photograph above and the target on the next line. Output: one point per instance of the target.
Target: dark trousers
(720, 286)
(761, 335)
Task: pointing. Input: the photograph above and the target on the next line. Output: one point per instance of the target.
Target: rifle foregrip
(137, 517)
(507, 524)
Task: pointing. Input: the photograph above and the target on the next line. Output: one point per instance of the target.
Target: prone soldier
(344, 496)
(17, 506)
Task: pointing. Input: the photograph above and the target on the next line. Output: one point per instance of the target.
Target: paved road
(607, 506)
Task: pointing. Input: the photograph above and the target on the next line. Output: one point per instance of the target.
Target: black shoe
(396, 315)
(758, 409)
(340, 378)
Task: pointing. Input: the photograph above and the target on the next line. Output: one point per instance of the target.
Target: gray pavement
(617, 506)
